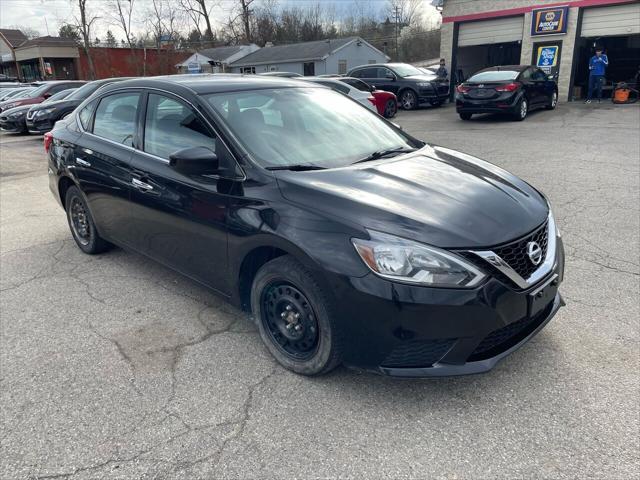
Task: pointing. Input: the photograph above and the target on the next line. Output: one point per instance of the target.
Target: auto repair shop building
(558, 37)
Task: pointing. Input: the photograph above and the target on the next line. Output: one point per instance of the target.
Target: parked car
(512, 89)
(41, 118)
(386, 102)
(39, 94)
(15, 119)
(6, 78)
(412, 86)
(14, 93)
(281, 74)
(349, 240)
(364, 98)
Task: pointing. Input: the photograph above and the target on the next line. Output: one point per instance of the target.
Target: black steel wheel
(390, 108)
(83, 229)
(295, 317)
(290, 320)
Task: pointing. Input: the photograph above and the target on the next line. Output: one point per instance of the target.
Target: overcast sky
(41, 15)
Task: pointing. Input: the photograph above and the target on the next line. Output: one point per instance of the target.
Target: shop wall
(566, 55)
(122, 62)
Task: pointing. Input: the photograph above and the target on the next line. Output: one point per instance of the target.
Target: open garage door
(613, 20)
(488, 32)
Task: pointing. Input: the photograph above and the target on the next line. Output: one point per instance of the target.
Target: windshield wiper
(297, 168)
(383, 153)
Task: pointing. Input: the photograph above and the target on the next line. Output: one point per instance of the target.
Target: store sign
(547, 57)
(549, 21)
(194, 67)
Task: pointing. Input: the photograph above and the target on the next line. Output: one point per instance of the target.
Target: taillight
(372, 100)
(509, 87)
(48, 139)
(462, 89)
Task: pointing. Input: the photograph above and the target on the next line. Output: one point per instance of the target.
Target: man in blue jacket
(597, 67)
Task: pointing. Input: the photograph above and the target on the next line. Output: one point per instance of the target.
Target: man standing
(597, 67)
(441, 72)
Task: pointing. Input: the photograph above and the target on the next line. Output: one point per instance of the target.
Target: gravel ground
(115, 367)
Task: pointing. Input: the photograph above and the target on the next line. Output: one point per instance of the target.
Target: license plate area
(542, 296)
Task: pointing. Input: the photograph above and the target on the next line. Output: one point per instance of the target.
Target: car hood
(422, 78)
(22, 101)
(58, 104)
(434, 195)
(22, 109)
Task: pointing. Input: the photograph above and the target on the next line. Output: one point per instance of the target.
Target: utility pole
(397, 29)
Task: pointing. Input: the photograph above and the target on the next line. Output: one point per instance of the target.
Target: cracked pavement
(112, 366)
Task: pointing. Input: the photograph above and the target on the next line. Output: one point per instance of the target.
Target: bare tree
(198, 10)
(408, 11)
(122, 16)
(28, 31)
(164, 21)
(246, 12)
(84, 21)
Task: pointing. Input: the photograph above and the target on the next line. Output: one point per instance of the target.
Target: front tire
(553, 102)
(83, 228)
(294, 317)
(522, 109)
(409, 100)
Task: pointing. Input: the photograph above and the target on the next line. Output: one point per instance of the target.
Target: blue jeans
(595, 82)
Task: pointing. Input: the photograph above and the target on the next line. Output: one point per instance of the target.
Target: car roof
(212, 83)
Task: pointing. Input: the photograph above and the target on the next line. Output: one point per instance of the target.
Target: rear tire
(522, 110)
(83, 228)
(465, 116)
(390, 108)
(294, 317)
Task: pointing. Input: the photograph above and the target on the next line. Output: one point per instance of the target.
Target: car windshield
(59, 96)
(84, 91)
(405, 70)
(38, 91)
(494, 76)
(305, 126)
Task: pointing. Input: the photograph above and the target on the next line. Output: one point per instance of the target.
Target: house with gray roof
(333, 56)
(215, 60)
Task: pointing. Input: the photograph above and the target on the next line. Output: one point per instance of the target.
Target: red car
(386, 102)
(39, 94)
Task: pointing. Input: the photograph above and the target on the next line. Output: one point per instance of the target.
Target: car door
(178, 219)
(385, 80)
(101, 160)
(544, 86)
(529, 86)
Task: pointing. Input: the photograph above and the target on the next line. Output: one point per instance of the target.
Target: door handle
(88, 151)
(141, 185)
(82, 162)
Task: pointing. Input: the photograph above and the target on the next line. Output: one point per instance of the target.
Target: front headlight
(406, 261)
(8, 106)
(17, 115)
(46, 111)
(425, 84)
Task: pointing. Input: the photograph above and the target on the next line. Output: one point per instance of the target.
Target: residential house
(215, 60)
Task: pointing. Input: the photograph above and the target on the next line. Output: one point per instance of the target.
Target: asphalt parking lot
(115, 367)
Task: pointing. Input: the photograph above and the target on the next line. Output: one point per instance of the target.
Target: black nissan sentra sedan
(348, 240)
(512, 89)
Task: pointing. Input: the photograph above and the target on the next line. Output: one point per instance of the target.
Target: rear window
(494, 76)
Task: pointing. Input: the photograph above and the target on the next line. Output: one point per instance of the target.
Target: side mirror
(46, 95)
(194, 161)
(399, 127)
(552, 76)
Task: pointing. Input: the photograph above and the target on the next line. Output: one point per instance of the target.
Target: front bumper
(409, 331)
(438, 93)
(36, 125)
(14, 126)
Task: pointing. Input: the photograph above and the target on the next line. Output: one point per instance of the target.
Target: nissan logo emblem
(534, 252)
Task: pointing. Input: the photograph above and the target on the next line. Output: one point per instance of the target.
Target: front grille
(443, 89)
(418, 353)
(504, 338)
(30, 115)
(515, 254)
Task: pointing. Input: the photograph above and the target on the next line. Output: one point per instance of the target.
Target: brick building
(560, 37)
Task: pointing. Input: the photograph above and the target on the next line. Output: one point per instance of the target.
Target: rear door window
(115, 117)
(171, 125)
